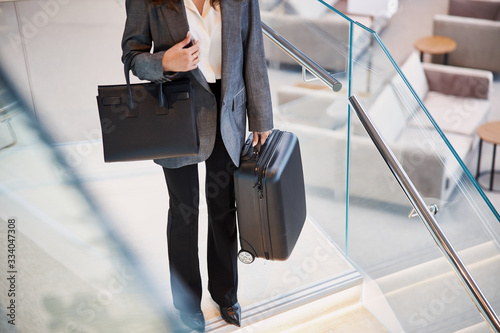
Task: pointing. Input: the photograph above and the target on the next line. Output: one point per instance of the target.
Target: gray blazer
(245, 85)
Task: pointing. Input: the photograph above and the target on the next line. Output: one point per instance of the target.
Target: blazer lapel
(178, 27)
(176, 21)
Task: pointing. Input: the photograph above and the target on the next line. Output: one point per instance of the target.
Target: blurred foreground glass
(64, 269)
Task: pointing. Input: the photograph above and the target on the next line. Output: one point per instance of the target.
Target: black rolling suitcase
(270, 197)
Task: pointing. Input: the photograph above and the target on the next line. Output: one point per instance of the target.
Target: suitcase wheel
(246, 257)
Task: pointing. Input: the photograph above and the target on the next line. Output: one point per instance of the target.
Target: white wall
(57, 52)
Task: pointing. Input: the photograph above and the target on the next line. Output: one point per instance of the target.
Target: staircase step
(345, 287)
(434, 268)
(430, 297)
(340, 312)
(351, 319)
(478, 328)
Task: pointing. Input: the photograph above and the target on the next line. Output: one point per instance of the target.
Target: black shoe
(194, 320)
(232, 314)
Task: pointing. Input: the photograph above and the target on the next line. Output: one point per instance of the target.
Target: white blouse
(207, 29)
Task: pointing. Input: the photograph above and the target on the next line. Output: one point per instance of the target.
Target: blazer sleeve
(259, 106)
(137, 43)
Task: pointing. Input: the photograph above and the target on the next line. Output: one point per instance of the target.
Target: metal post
(301, 58)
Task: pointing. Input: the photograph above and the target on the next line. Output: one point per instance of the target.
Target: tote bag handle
(162, 100)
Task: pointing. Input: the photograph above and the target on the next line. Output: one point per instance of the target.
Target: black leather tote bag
(147, 120)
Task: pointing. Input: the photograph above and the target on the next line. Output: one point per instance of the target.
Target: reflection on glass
(308, 108)
(408, 267)
(433, 141)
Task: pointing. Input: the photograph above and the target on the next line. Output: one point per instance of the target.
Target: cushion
(310, 9)
(477, 41)
(388, 115)
(286, 93)
(270, 5)
(407, 98)
(488, 10)
(426, 150)
(425, 139)
(461, 115)
(461, 143)
(414, 73)
(458, 81)
(315, 112)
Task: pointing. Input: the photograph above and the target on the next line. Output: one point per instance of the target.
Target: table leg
(479, 159)
(492, 174)
(421, 56)
(445, 60)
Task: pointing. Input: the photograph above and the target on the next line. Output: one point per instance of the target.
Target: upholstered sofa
(319, 32)
(475, 26)
(458, 100)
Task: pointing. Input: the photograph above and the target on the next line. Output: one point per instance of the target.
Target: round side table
(435, 45)
(489, 132)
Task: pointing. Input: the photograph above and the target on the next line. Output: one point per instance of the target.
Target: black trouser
(182, 229)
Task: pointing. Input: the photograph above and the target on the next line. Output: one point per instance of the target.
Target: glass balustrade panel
(310, 109)
(435, 147)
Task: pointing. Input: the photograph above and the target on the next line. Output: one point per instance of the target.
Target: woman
(217, 44)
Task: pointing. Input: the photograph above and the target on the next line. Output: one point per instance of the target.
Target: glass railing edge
(348, 145)
(364, 27)
(336, 11)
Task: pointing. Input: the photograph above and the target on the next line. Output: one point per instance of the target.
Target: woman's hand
(180, 58)
(262, 135)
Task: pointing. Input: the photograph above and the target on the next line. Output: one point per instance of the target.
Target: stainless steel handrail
(404, 181)
(301, 58)
(425, 215)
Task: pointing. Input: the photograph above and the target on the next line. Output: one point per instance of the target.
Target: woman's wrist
(169, 74)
